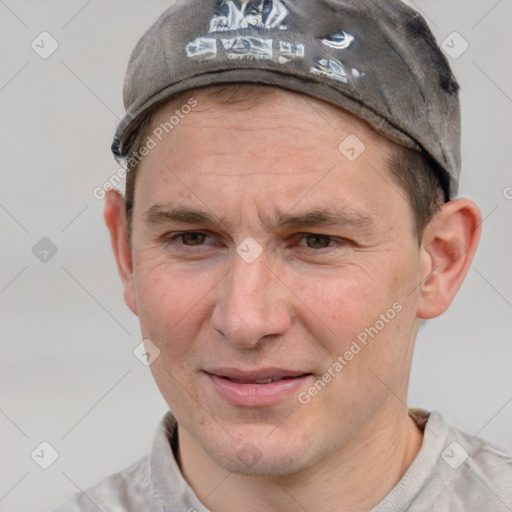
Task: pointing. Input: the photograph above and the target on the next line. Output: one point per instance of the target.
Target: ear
(114, 215)
(448, 247)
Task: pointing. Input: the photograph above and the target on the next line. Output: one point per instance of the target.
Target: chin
(269, 465)
(262, 454)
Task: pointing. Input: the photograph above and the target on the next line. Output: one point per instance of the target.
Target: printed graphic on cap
(203, 47)
(339, 41)
(248, 46)
(291, 50)
(330, 68)
(252, 13)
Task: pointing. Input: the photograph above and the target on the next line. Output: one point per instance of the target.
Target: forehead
(249, 129)
(266, 147)
(262, 103)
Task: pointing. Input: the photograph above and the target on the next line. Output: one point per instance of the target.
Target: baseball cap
(377, 59)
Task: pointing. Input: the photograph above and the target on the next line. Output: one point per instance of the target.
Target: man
(289, 220)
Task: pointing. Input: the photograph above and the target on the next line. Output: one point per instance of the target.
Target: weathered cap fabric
(374, 58)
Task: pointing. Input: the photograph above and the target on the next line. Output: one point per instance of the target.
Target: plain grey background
(68, 373)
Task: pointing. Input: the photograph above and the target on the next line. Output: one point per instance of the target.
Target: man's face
(294, 298)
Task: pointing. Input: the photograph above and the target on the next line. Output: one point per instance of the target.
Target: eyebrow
(159, 214)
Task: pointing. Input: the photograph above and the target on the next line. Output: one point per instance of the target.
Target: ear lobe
(448, 247)
(114, 215)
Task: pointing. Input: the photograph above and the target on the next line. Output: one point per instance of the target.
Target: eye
(191, 238)
(191, 244)
(316, 241)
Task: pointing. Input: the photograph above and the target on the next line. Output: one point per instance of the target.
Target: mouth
(258, 381)
(259, 388)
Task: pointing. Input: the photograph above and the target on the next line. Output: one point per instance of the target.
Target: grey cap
(374, 58)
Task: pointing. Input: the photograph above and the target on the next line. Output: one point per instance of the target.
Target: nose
(254, 303)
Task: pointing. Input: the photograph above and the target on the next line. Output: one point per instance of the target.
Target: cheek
(344, 301)
(171, 303)
(365, 313)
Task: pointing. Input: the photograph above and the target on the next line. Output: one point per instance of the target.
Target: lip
(243, 392)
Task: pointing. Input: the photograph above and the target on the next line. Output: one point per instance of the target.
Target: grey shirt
(452, 472)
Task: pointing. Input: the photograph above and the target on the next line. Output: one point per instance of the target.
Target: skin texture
(298, 306)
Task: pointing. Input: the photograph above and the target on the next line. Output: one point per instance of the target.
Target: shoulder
(129, 489)
(143, 486)
(470, 473)
(453, 472)
(483, 463)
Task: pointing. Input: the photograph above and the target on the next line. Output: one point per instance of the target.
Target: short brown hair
(424, 185)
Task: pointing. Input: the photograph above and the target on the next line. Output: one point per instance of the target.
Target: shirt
(452, 472)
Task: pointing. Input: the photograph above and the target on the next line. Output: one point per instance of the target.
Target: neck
(353, 478)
